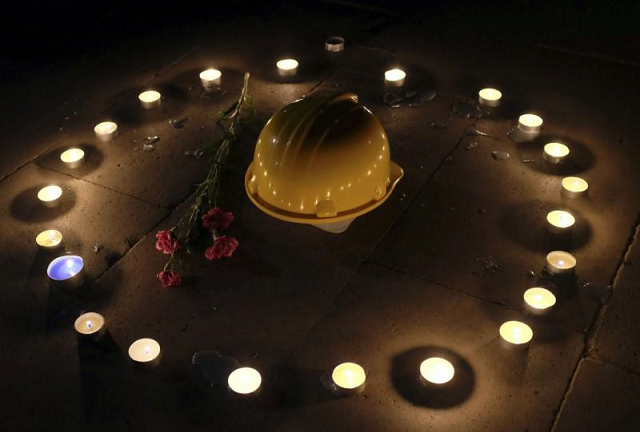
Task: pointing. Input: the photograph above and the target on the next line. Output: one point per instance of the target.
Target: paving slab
(389, 322)
(602, 398)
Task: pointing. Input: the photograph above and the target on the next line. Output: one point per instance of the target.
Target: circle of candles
(436, 370)
(145, 352)
(50, 196)
(530, 123)
(573, 187)
(90, 326)
(287, 67)
(150, 99)
(559, 262)
(72, 158)
(515, 334)
(49, 239)
(395, 77)
(66, 271)
(244, 381)
(539, 300)
(334, 44)
(489, 97)
(348, 378)
(106, 131)
(555, 152)
(210, 78)
(560, 221)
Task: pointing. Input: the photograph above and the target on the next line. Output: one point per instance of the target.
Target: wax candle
(287, 67)
(560, 221)
(530, 123)
(66, 271)
(555, 152)
(50, 196)
(210, 78)
(436, 370)
(244, 381)
(515, 334)
(559, 262)
(49, 239)
(90, 326)
(145, 353)
(539, 301)
(574, 187)
(334, 44)
(72, 158)
(106, 131)
(150, 99)
(489, 97)
(349, 378)
(394, 77)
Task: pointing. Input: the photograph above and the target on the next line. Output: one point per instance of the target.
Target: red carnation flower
(166, 243)
(169, 278)
(222, 247)
(217, 220)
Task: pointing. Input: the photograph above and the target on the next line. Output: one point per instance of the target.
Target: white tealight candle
(106, 131)
(489, 97)
(210, 78)
(244, 381)
(560, 221)
(349, 378)
(530, 123)
(287, 67)
(555, 152)
(515, 334)
(538, 300)
(559, 262)
(90, 326)
(145, 352)
(150, 99)
(72, 158)
(395, 77)
(436, 370)
(66, 272)
(50, 196)
(49, 239)
(574, 187)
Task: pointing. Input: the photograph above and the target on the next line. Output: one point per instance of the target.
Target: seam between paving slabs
(590, 334)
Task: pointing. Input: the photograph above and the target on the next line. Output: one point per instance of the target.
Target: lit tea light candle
(244, 381)
(150, 99)
(287, 67)
(489, 97)
(50, 196)
(395, 77)
(559, 262)
(436, 370)
(210, 78)
(530, 123)
(574, 187)
(555, 152)
(90, 326)
(560, 221)
(49, 239)
(539, 301)
(349, 378)
(334, 44)
(515, 334)
(106, 131)
(66, 271)
(145, 352)
(72, 158)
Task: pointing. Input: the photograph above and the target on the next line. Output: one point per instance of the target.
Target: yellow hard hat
(322, 159)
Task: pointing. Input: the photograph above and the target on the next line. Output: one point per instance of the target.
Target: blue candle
(63, 269)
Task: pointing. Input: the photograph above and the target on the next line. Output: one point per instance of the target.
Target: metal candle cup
(539, 301)
(574, 187)
(560, 262)
(66, 272)
(150, 99)
(145, 353)
(530, 123)
(49, 240)
(50, 196)
(334, 44)
(395, 77)
(555, 153)
(90, 326)
(560, 221)
(210, 78)
(73, 157)
(245, 381)
(489, 97)
(349, 378)
(287, 67)
(436, 370)
(106, 131)
(515, 335)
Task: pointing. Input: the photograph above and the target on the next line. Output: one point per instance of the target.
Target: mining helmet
(322, 159)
